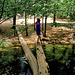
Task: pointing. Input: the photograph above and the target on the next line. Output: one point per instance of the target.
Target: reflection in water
(61, 58)
(53, 51)
(73, 48)
(22, 65)
(33, 49)
(13, 61)
(24, 71)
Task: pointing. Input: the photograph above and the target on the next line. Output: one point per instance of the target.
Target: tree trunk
(26, 24)
(54, 16)
(73, 48)
(29, 55)
(41, 60)
(54, 13)
(2, 10)
(34, 22)
(53, 51)
(74, 15)
(42, 22)
(45, 26)
(14, 22)
(45, 23)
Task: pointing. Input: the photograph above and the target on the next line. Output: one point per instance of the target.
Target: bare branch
(6, 19)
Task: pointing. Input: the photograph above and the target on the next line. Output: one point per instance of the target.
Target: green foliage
(1, 42)
(9, 55)
(23, 28)
(59, 25)
(38, 7)
(62, 52)
(4, 44)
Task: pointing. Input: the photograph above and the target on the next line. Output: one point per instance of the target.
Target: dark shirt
(38, 29)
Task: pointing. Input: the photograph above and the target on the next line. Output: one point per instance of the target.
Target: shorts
(38, 33)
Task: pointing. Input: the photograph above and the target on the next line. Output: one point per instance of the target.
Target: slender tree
(53, 51)
(42, 21)
(34, 21)
(14, 20)
(26, 22)
(54, 14)
(45, 22)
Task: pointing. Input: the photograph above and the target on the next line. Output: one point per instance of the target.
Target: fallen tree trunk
(41, 59)
(31, 59)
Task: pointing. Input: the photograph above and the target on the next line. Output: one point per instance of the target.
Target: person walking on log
(38, 30)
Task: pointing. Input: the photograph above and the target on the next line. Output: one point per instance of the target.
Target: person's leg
(38, 38)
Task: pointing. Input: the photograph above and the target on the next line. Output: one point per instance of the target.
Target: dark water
(61, 58)
(13, 61)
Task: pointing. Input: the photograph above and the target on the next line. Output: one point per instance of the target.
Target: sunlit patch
(3, 49)
(16, 47)
(31, 46)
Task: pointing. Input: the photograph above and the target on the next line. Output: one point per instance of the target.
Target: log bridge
(39, 66)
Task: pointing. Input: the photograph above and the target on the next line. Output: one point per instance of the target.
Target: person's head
(38, 20)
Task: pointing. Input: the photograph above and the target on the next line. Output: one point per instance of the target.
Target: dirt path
(54, 34)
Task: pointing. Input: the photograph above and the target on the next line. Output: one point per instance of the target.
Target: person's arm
(40, 28)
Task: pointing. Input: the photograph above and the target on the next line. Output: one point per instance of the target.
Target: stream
(61, 58)
(13, 61)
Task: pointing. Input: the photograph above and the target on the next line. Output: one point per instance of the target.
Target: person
(35, 22)
(38, 30)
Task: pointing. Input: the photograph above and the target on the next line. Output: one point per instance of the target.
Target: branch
(6, 19)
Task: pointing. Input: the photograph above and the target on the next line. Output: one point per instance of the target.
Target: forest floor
(6, 33)
(54, 34)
